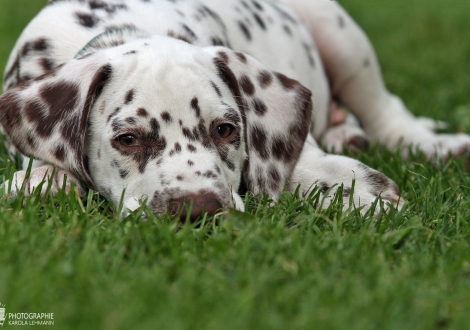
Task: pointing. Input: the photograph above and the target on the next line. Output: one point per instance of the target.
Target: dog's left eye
(225, 130)
(128, 140)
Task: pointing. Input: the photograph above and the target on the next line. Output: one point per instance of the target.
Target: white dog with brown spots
(192, 101)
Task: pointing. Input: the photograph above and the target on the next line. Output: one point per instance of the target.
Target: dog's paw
(438, 146)
(336, 138)
(39, 177)
(368, 185)
(454, 144)
(329, 172)
(398, 129)
(343, 131)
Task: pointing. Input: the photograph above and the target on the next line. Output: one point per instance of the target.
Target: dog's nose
(200, 204)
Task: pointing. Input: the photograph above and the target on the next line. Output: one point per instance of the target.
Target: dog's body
(163, 100)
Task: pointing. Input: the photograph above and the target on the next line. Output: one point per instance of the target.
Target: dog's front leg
(318, 169)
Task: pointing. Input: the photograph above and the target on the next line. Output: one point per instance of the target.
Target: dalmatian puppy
(189, 102)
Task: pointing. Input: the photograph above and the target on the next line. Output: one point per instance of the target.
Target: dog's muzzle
(194, 206)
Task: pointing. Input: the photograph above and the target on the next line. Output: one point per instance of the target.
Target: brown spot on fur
(195, 106)
(246, 85)
(129, 96)
(141, 112)
(265, 79)
(241, 57)
(260, 107)
(286, 82)
(87, 20)
(258, 141)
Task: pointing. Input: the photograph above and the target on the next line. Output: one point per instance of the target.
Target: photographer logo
(2, 314)
(25, 318)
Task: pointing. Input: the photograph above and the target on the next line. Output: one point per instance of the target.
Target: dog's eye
(225, 130)
(128, 140)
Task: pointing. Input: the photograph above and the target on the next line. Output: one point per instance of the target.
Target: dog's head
(164, 121)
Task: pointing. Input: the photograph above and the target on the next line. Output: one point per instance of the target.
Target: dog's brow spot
(191, 148)
(115, 112)
(47, 64)
(129, 97)
(216, 88)
(131, 120)
(177, 147)
(166, 117)
(195, 106)
(40, 45)
(209, 174)
(154, 125)
(141, 112)
(188, 134)
(87, 20)
(116, 125)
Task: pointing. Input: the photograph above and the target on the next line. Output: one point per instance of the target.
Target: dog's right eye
(128, 140)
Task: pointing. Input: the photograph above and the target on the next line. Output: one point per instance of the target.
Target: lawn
(291, 266)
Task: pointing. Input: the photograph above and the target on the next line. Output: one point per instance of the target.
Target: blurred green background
(14, 16)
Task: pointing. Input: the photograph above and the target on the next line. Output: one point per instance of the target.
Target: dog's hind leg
(356, 81)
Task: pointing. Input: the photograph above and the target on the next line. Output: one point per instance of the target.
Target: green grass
(291, 266)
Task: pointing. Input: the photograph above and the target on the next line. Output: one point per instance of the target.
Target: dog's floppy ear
(47, 117)
(277, 113)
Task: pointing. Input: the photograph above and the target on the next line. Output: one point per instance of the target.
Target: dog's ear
(277, 114)
(47, 117)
